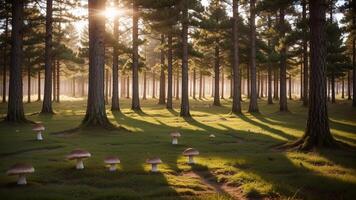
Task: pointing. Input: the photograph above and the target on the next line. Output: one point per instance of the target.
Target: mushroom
(112, 161)
(21, 170)
(39, 128)
(175, 136)
(211, 136)
(154, 162)
(79, 155)
(190, 152)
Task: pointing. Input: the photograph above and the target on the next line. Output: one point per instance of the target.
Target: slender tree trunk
(217, 76)
(269, 95)
(301, 81)
(177, 85)
(47, 101)
(354, 66)
(135, 86)
(290, 87)
(162, 81)
(203, 88)
(275, 83)
(39, 85)
(29, 82)
(15, 112)
(348, 85)
(343, 88)
(253, 107)
(58, 81)
(170, 72)
(153, 85)
(73, 87)
(305, 58)
(54, 96)
(200, 84)
(106, 86)
(144, 97)
(115, 105)
(222, 83)
(328, 82)
(128, 87)
(194, 83)
(333, 87)
(248, 82)
(258, 84)
(317, 133)
(262, 86)
(4, 74)
(95, 113)
(283, 106)
(184, 112)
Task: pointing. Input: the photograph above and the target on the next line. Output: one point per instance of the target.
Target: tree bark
(106, 86)
(217, 76)
(317, 133)
(177, 86)
(115, 105)
(184, 112)
(58, 82)
(222, 83)
(47, 99)
(95, 113)
(354, 68)
(290, 87)
(153, 85)
(144, 96)
(343, 88)
(135, 86)
(170, 72)
(200, 84)
(29, 82)
(283, 106)
(54, 96)
(15, 112)
(39, 85)
(128, 87)
(73, 87)
(275, 83)
(4, 74)
(305, 58)
(162, 81)
(348, 85)
(194, 83)
(253, 107)
(333, 87)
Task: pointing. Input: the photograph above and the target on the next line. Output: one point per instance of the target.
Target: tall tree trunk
(184, 112)
(177, 86)
(135, 86)
(170, 72)
(144, 97)
(73, 87)
(333, 87)
(47, 99)
(222, 83)
(106, 86)
(39, 85)
(58, 82)
(258, 83)
(29, 82)
(217, 76)
(343, 88)
(128, 87)
(269, 95)
(275, 83)
(4, 74)
(95, 113)
(262, 86)
(203, 88)
(317, 132)
(305, 58)
(348, 85)
(194, 83)
(200, 84)
(15, 112)
(354, 66)
(162, 81)
(153, 85)
(283, 106)
(253, 107)
(54, 96)
(301, 81)
(290, 87)
(115, 105)
(248, 82)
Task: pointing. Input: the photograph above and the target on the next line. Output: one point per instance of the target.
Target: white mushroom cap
(212, 136)
(190, 152)
(155, 160)
(77, 154)
(112, 160)
(20, 168)
(38, 127)
(175, 134)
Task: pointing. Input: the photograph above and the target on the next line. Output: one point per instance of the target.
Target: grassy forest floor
(239, 163)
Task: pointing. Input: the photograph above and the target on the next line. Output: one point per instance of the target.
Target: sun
(111, 12)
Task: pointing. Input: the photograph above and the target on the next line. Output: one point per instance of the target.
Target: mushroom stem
(154, 168)
(80, 164)
(21, 180)
(112, 167)
(39, 136)
(190, 159)
(175, 140)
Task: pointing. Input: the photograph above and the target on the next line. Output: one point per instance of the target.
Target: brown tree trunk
(153, 85)
(135, 86)
(177, 86)
(170, 72)
(253, 107)
(258, 84)
(115, 105)
(95, 113)
(162, 81)
(217, 76)
(290, 87)
(194, 83)
(58, 82)
(73, 87)
(54, 96)
(283, 106)
(348, 85)
(222, 83)
(262, 86)
(269, 95)
(47, 99)
(128, 87)
(200, 84)
(301, 81)
(184, 111)
(106, 86)
(39, 85)
(275, 83)
(343, 88)
(305, 58)
(144, 97)
(354, 67)
(4, 74)
(15, 112)
(317, 133)
(29, 82)
(333, 87)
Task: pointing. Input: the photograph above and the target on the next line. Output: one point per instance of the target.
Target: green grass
(239, 158)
